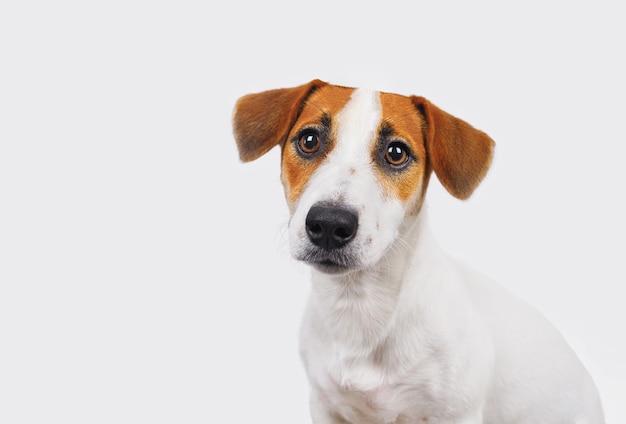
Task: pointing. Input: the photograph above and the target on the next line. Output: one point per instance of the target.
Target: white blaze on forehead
(356, 124)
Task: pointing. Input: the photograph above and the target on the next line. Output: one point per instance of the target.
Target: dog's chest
(362, 392)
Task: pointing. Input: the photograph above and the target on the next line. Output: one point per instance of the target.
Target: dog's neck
(359, 308)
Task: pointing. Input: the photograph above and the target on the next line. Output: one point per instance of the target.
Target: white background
(144, 271)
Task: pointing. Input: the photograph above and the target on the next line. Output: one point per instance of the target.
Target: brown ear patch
(262, 120)
(460, 154)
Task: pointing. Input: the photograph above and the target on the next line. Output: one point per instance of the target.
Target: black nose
(330, 227)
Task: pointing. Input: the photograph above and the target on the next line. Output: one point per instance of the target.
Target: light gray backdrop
(144, 272)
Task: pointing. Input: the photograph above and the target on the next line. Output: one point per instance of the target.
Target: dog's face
(351, 176)
(356, 164)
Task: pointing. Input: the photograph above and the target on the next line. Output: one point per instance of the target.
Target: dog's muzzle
(330, 230)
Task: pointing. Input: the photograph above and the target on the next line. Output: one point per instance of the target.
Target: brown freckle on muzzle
(352, 171)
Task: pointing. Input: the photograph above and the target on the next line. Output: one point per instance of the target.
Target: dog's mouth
(330, 267)
(330, 262)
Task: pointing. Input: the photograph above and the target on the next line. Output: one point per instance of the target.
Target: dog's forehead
(400, 113)
(352, 106)
(352, 116)
(327, 100)
(357, 125)
(358, 115)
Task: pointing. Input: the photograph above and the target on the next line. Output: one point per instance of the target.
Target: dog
(395, 330)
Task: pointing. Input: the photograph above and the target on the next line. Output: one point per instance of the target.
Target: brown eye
(396, 154)
(309, 143)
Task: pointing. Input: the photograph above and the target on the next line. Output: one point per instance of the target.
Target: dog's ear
(262, 120)
(460, 154)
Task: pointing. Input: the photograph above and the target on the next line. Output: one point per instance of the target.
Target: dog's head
(356, 164)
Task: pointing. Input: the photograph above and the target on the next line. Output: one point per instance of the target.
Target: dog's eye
(396, 154)
(309, 143)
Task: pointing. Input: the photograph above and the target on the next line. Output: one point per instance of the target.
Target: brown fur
(399, 113)
(460, 154)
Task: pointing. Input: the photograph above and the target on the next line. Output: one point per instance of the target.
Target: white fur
(413, 336)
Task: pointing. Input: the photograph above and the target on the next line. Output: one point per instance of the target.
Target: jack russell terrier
(397, 331)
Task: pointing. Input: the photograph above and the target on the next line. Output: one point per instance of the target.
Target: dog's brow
(326, 120)
(323, 123)
(386, 130)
